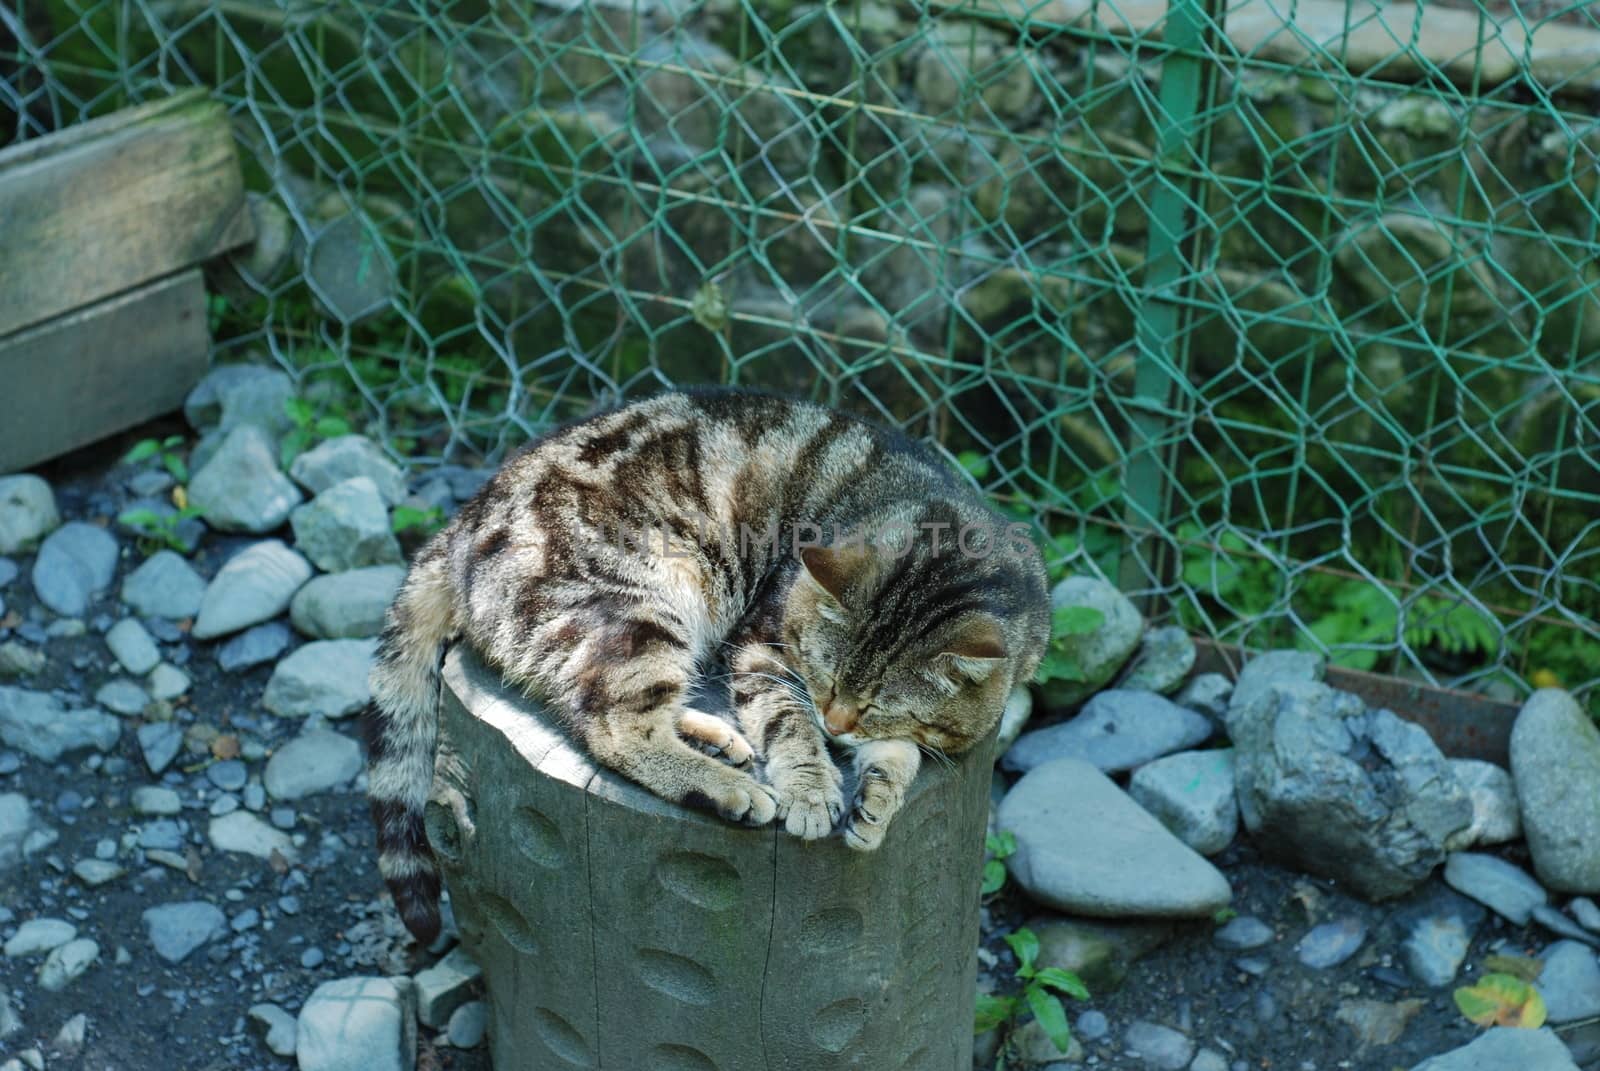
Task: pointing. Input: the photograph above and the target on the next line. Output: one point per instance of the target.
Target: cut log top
(618, 930)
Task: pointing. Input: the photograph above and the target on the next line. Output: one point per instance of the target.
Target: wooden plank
(101, 369)
(121, 201)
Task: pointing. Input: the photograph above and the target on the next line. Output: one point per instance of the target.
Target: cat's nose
(840, 718)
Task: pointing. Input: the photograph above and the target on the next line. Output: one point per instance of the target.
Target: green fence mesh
(1285, 315)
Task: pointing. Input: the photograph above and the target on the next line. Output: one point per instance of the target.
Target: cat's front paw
(877, 800)
(810, 799)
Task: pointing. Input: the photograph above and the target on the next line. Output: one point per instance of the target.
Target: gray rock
(178, 929)
(1363, 798)
(1242, 934)
(1165, 658)
(1331, 943)
(1015, 715)
(122, 696)
(1032, 1047)
(27, 512)
(9, 571)
(1503, 1048)
(167, 681)
(1570, 982)
(237, 394)
(346, 527)
(229, 775)
(68, 963)
(1500, 886)
(357, 1024)
(1084, 847)
(326, 678)
(159, 743)
(75, 562)
(1158, 1046)
(164, 586)
(252, 647)
(351, 605)
(254, 586)
(468, 1024)
(1116, 730)
(1099, 951)
(446, 986)
(278, 1028)
(348, 269)
(243, 832)
(133, 647)
(347, 457)
(1555, 761)
(10, 1022)
(1561, 926)
(1496, 818)
(156, 799)
(20, 660)
(313, 762)
(240, 488)
(1209, 1060)
(1192, 793)
(1438, 933)
(41, 725)
(1092, 1025)
(1275, 667)
(1099, 654)
(96, 872)
(22, 833)
(38, 936)
(1586, 912)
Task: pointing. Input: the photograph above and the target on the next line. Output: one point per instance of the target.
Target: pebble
(20, 660)
(122, 696)
(346, 527)
(1084, 847)
(168, 682)
(96, 872)
(8, 571)
(1570, 982)
(1165, 658)
(255, 585)
(278, 1026)
(27, 513)
(468, 1024)
(243, 832)
(1331, 943)
(10, 1021)
(165, 586)
(1505, 1048)
(159, 743)
(1209, 1060)
(178, 929)
(73, 1033)
(1555, 762)
(156, 800)
(315, 761)
(1586, 912)
(68, 963)
(22, 833)
(41, 725)
(263, 643)
(349, 605)
(240, 487)
(255, 797)
(76, 562)
(226, 803)
(1192, 793)
(229, 775)
(1092, 1025)
(1561, 926)
(282, 817)
(327, 678)
(1438, 934)
(1158, 1046)
(248, 919)
(234, 394)
(1116, 730)
(1242, 934)
(1500, 886)
(38, 936)
(312, 958)
(163, 834)
(1099, 951)
(356, 1024)
(133, 647)
(345, 457)
(445, 986)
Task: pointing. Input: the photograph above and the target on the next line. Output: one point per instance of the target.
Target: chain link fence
(1284, 314)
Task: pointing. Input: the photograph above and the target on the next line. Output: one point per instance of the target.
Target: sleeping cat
(860, 592)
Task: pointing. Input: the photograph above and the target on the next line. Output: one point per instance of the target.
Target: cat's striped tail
(402, 726)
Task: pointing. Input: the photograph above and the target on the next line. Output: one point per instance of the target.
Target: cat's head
(921, 641)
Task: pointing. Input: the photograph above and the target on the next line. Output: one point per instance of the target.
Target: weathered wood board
(616, 930)
(100, 208)
(97, 371)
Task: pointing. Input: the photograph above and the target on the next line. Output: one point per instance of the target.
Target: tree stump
(616, 930)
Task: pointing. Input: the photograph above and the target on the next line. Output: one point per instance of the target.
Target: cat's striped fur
(605, 565)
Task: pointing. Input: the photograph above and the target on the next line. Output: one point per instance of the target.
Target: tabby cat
(860, 592)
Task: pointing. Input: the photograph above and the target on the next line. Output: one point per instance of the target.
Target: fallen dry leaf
(225, 747)
(1377, 1022)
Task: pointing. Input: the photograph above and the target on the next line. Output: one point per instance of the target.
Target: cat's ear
(974, 651)
(835, 568)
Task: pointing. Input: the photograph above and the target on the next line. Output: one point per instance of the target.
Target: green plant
(405, 518)
(158, 531)
(308, 430)
(1059, 664)
(1502, 1000)
(998, 847)
(164, 449)
(1038, 995)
